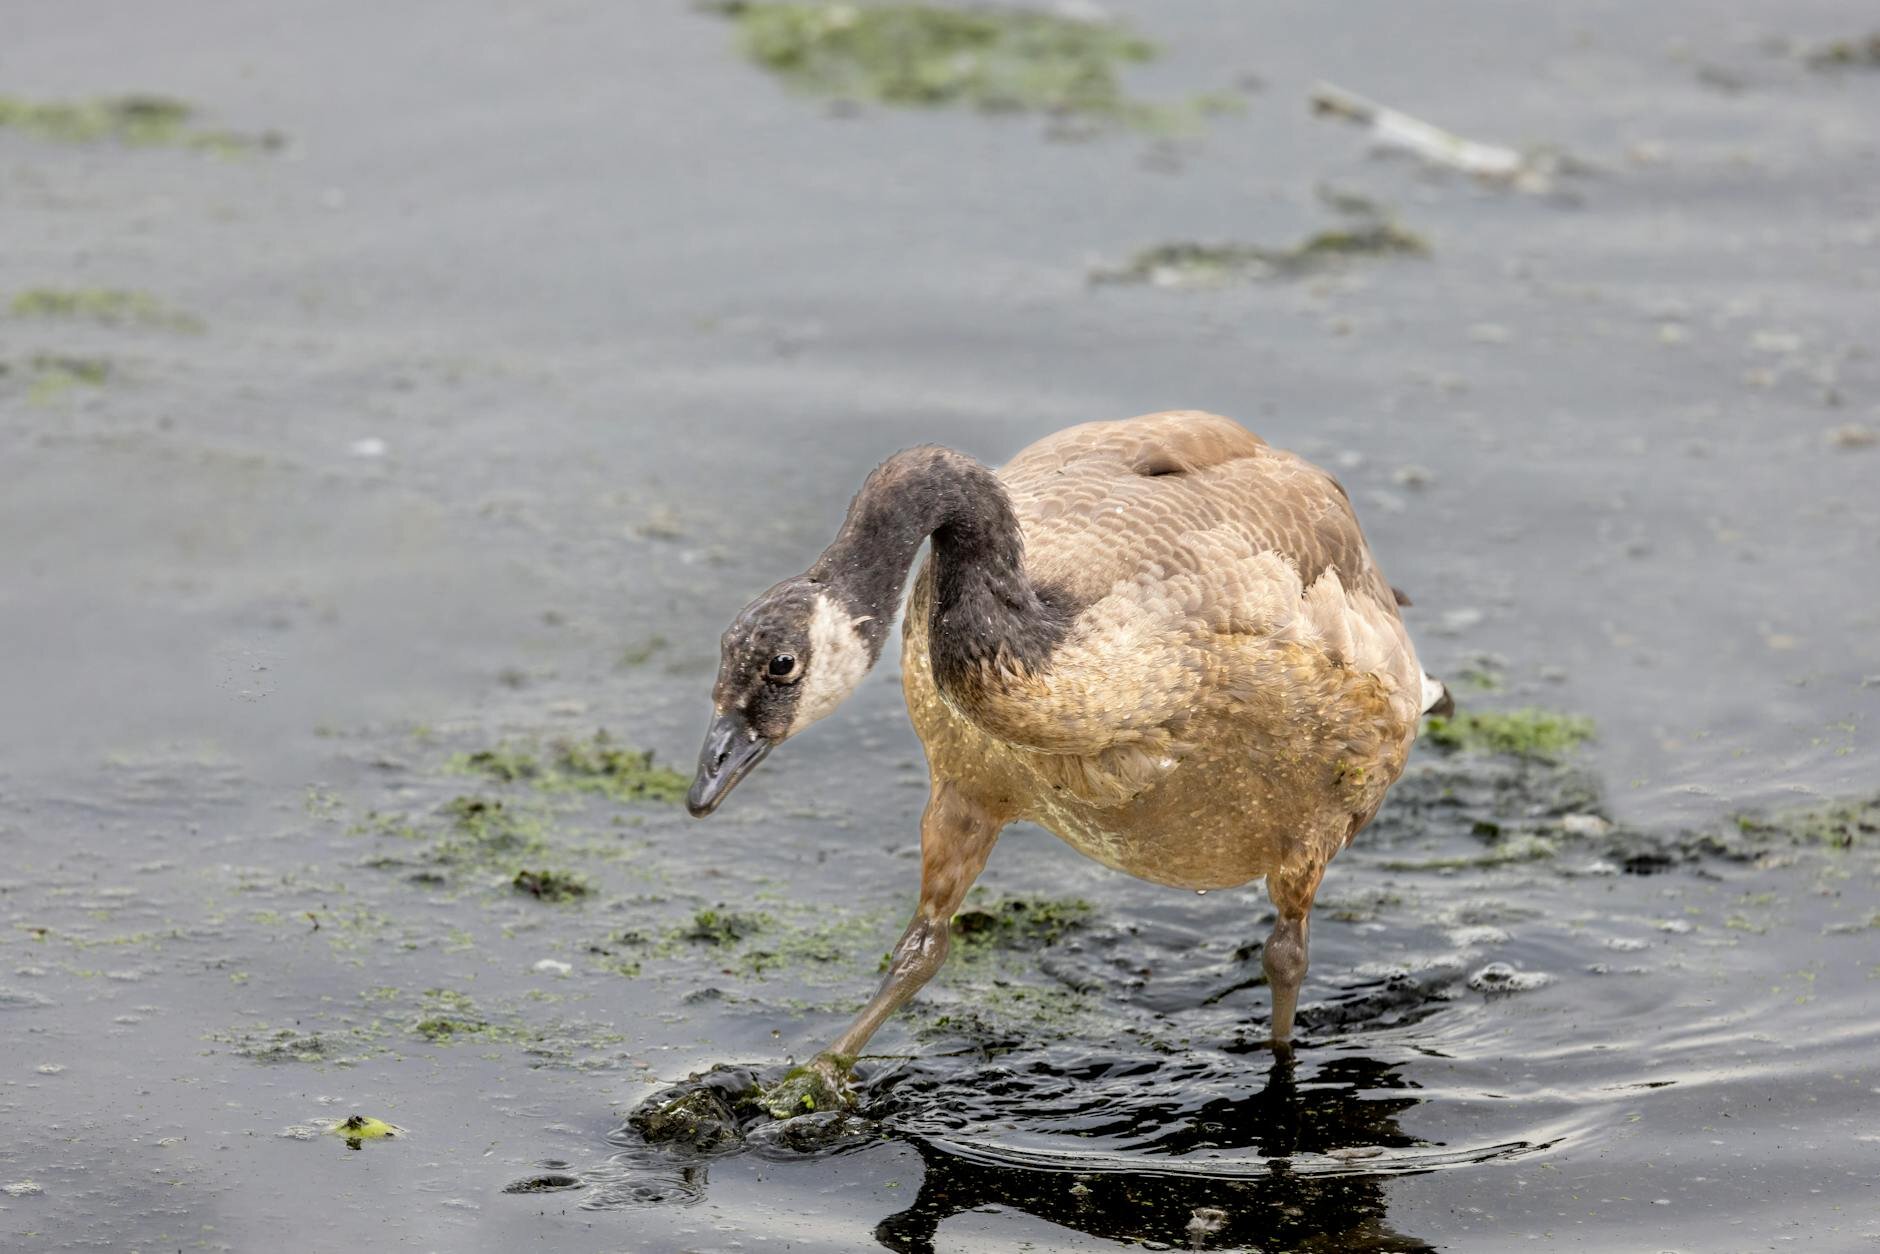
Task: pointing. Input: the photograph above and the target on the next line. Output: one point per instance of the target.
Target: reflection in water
(1180, 1200)
(1175, 1149)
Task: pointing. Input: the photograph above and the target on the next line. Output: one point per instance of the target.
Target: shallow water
(554, 333)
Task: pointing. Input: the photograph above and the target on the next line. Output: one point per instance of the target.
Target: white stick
(1397, 130)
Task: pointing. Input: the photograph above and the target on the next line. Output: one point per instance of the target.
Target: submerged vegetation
(929, 55)
(1542, 735)
(1214, 265)
(111, 306)
(140, 120)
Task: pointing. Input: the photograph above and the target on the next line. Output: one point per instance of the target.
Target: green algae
(284, 1045)
(52, 377)
(723, 927)
(699, 1118)
(825, 947)
(1541, 735)
(482, 829)
(1188, 264)
(802, 1091)
(470, 834)
(1020, 922)
(994, 983)
(598, 765)
(997, 60)
(138, 120)
(1832, 825)
(441, 1028)
(110, 306)
(449, 1015)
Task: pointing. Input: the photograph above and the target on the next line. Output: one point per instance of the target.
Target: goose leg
(1285, 954)
(956, 837)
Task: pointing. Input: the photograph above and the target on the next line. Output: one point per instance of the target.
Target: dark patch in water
(1114, 1145)
(546, 1182)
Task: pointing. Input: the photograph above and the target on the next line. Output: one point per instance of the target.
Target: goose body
(1161, 639)
(1236, 692)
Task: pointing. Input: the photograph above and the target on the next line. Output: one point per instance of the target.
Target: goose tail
(1436, 698)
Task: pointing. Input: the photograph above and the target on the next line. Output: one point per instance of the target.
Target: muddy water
(552, 333)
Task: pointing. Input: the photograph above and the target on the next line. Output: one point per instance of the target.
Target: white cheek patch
(838, 658)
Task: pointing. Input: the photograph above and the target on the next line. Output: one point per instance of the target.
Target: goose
(1161, 639)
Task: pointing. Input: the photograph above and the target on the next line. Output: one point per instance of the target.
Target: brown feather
(1235, 692)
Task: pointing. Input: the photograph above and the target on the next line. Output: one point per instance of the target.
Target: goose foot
(820, 1084)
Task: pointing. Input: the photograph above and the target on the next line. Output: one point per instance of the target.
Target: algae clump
(802, 1091)
(550, 885)
(927, 55)
(1215, 265)
(449, 1014)
(1542, 735)
(723, 927)
(597, 764)
(140, 120)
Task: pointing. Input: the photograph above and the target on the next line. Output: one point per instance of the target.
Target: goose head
(787, 660)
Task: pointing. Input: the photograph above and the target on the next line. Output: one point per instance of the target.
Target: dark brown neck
(985, 609)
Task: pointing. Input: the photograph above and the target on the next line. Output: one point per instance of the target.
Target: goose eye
(783, 666)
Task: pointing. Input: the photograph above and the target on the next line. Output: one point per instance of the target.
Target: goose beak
(731, 749)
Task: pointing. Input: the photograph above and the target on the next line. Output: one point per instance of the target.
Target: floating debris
(1533, 172)
(1853, 435)
(111, 306)
(139, 120)
(22, 1188)
(1215, 265)
(998, 60)
(1205, 1221)
(366, 1128)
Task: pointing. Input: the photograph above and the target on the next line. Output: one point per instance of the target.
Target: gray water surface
(553, 333)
